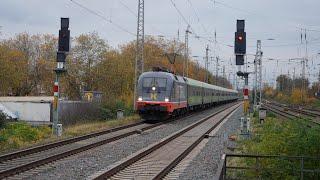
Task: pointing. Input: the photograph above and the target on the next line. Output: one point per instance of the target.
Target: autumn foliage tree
(28, 62)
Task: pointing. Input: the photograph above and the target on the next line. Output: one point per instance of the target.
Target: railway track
(291, 113)
(24, 160)
(280, 112)
(158, 159)
(21, 161)
(306, 112)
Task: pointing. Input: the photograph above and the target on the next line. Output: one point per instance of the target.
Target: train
(162, 94)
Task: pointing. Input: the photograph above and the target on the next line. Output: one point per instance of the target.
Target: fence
(38, 110)
(71, 112)
(238, 166)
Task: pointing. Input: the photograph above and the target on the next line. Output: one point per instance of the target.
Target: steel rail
(45, 160)
(287, 114)
(143, 153)
(49, 159)
(44, 147)
(175, 162)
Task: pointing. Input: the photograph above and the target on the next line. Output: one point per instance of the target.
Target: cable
(195, 12)
(127, 7)
(102, 17)
(311, 30)
(234, 8)
(184, 19)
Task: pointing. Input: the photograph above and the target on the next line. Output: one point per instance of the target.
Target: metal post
(139, 61)
(260, 78)
(63, 49)
(207, 64)
(56, 105)
(224, 74)
(217, 69)
(255, 81)
(258, 75)
(186, 55)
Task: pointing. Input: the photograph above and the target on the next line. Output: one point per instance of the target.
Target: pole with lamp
(63, 49)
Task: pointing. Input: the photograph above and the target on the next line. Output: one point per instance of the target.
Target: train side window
(182, 91)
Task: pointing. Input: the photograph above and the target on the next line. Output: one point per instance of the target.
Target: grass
(281, 137)
(85, 128)
(316, 103)
(15, 136)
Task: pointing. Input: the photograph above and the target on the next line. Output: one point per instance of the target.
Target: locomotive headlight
(166, 99)
(140, 99)
(153, 88)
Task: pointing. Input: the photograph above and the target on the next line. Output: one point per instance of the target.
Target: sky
(277, 23)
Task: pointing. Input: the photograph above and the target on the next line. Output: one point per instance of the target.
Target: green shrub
(109, 111)
(256, 114)
(3, 119)
(271, 114)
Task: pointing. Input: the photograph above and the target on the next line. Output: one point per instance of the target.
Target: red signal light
(246, 92)
(56, 87)
(240, 38)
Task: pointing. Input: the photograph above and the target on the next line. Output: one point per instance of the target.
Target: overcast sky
(280, 20)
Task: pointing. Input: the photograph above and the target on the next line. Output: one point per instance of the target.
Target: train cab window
(182, 92)
(147, 82)
(159, 83)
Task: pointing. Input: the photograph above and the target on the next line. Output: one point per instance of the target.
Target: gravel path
(205, 163)
(87, 163)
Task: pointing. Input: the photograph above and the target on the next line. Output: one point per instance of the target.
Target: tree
(88, 51)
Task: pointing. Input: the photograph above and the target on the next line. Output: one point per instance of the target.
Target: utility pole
(186, 55)
(139, 66)
(258, 75)
(224, 74)
(217, 69)
(207, 64)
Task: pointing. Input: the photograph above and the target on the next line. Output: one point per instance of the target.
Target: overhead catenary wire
(102, 17)
(133, 13)
(184, 19)
(198, 17)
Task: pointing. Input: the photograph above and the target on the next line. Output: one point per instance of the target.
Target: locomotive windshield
(154, 82)
(154, 88)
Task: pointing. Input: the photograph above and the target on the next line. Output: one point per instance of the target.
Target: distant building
(92, 96)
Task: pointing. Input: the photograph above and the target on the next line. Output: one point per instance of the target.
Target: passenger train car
(164, 94)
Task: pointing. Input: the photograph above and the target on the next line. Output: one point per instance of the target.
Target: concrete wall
(38, 110)
(37, 113)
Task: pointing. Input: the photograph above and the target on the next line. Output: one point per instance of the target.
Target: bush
(109, 111)
(3, 119)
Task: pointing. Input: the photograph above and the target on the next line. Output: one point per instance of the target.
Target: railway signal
(64, 35)
(240, 42)
(63, 49)
(240, 49)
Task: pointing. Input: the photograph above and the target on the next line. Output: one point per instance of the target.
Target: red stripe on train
(171, 106)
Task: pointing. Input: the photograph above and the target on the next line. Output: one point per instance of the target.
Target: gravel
(89, 162)
(205, 164)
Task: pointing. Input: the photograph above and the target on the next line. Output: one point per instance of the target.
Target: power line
(307, 29)
(198, 18)
(184, 19)
(232, 7)
(102, 17)
(127, 7)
